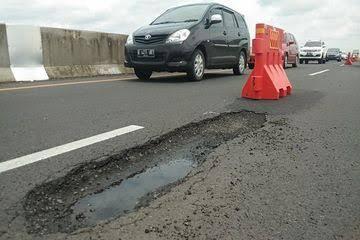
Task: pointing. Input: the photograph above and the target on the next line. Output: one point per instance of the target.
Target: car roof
(210, 4)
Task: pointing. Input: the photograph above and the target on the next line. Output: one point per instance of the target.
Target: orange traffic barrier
(348, 60)
(268, 80)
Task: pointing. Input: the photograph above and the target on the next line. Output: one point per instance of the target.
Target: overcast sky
(337, 22)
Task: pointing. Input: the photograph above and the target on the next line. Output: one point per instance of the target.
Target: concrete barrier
(5, 71)
(73, 53)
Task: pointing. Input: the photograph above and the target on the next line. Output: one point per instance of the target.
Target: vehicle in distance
(333, 54)
(356, 54)
(290, 52)
(313, 51)
(344, 55)
(190, 39)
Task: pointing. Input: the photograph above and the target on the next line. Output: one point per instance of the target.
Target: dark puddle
(122, 183)
(124, 198)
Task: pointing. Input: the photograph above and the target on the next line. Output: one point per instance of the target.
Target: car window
(292, 39)
(242, 25)
(229, 20)
(235, 21)
(313, 44)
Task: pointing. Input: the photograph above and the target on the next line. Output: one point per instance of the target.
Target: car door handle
(225, 33)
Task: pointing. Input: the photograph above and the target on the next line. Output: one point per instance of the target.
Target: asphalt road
(39, 118)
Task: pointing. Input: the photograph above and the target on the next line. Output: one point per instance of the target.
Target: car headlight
(179, 36)
(130, 39)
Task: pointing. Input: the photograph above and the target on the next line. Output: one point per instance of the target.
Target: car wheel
(324, 61)
(306, 61)
(301, 61)
(197, 66)
(143, 74)
(241, 67)
(285, 61)
(296, 62)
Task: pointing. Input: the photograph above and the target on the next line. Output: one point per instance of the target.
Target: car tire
(143, 74)
(324, 61)
(320, 61)
(240, 68)
(306, 61)
(301, 61)
(296, 62)
(196, 67)
(285, 61)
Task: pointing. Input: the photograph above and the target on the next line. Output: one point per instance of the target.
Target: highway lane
(41, 118)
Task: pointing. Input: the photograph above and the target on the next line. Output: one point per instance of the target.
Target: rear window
(313, 44)
(190, 13)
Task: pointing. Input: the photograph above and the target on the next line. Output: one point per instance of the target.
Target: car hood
(162, 29)
(310, 48)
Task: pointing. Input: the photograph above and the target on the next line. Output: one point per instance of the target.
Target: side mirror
(215, 19)
(291, 42)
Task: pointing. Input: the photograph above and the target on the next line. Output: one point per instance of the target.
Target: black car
(189, 39)
(333, 54)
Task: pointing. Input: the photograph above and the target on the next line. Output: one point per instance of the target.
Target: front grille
(155, 39)
(310, 51)
(159, 57)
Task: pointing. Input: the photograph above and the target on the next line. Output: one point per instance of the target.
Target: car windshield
(190, 13)
(334, 50)
(313, 44)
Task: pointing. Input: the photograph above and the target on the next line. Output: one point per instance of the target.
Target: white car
(313, 51)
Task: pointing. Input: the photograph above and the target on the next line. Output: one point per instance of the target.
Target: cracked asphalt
(298, 177)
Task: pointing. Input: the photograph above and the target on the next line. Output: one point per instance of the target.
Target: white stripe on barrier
(45, 154)
(25, 52)
(29, 73)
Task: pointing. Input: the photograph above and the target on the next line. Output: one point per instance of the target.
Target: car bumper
(333, 57)
(316, 56)
(168, 57)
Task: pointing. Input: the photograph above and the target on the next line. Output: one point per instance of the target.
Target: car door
(218, 46)
(232, 37)
(292, 49)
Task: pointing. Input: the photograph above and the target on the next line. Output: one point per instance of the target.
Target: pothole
(123, 183)
(123, 198)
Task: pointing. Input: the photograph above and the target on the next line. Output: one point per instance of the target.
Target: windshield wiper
(163, 23)
(191, 20)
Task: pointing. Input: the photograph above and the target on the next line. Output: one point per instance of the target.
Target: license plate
(146, 53)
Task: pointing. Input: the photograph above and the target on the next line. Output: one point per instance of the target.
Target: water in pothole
(123, 198)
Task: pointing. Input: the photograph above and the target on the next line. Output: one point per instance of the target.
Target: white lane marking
(342, 65)
(317, 73)
(38, 156)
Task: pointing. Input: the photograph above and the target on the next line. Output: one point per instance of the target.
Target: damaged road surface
(293, 173)
(125, 182)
